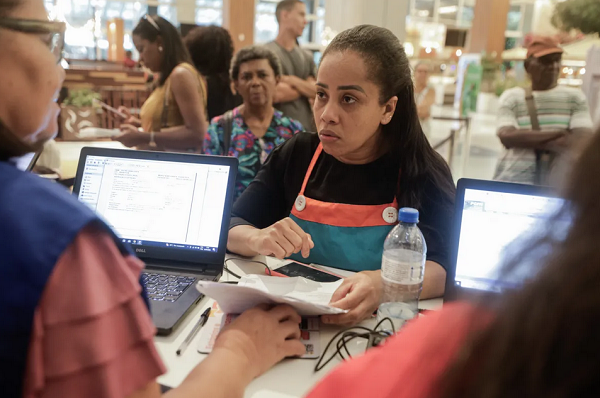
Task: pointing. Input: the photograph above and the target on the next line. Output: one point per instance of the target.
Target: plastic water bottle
(402, 269)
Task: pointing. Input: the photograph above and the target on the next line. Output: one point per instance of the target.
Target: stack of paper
(308, 297)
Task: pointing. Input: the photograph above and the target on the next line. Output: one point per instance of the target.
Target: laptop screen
(490, 222)
(156, 202)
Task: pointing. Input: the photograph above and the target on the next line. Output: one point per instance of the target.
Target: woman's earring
(160, 48)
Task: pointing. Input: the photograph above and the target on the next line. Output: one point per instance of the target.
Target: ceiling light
(448, 9)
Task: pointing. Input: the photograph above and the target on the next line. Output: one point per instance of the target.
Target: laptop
(489, 216)
(173, 210)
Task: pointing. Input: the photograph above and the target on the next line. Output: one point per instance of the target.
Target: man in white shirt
(562, 112)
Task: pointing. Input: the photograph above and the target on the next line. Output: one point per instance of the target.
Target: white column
(344, 14)
(542, 15)
(186, 11)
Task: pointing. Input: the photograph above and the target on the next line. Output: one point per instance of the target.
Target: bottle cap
(408, 215)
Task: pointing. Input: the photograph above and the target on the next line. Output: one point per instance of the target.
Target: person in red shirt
(128, 62)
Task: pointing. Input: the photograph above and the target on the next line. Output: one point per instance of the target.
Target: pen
(197, 327)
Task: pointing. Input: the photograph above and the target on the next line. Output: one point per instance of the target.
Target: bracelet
(152, 143)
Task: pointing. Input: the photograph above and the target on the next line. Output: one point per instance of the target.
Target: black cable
(226, 268)
(345, 336)
(320, 366)
(381, 323)
(230, 272)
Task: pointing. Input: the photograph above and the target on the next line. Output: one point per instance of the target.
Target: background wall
(344, 14)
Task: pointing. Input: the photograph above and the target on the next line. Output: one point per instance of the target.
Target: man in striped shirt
(563, 115)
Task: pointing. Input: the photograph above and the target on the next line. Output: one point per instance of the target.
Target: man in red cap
(538, 124)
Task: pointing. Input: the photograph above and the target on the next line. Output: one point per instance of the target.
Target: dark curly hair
(211, 49)
(252, 53)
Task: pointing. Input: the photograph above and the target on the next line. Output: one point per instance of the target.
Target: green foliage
(583, 15)
(491, 69)
(82, 98)
(504, 83)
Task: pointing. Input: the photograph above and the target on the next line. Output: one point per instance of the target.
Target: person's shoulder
(216, 121)
(573, 94)
(29, 200)
(271, 45)
(512, 94)
(236, 114)
(19, 184)
(300, 144)
(288, 122)
(183, 73)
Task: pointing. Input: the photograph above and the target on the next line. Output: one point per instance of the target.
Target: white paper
(308, 297)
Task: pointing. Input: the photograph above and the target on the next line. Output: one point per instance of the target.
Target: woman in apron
(331, 198)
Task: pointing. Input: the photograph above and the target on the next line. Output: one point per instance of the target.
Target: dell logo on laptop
(140, 250)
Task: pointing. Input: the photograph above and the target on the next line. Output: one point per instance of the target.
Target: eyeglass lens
(57, 46)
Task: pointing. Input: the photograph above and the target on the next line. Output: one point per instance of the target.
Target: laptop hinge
(182, 266)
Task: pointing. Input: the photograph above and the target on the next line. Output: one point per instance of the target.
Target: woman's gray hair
(252, 53)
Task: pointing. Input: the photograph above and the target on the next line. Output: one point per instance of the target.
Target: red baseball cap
(543, 45)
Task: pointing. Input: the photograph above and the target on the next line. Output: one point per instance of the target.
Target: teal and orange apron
(346, 236)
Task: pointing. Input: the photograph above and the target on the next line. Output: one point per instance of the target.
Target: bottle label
(402, 272)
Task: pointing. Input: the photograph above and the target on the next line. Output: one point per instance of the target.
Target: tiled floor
(483, 154)
(485, 148)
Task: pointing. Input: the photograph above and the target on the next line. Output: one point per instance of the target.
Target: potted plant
(78, 111)
(582, 15)
(487, 101)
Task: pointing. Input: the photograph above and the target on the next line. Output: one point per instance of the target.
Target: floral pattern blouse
(250, 151)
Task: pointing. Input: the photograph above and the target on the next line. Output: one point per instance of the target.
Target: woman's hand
(360, 294)
(131, 136)
(128, 119)
(281, 240)
(263, 336)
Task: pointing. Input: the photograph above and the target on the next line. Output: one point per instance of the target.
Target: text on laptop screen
(490, 222)
(158, 203)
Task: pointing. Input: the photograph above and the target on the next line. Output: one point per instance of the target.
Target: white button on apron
(390, 215)
(300, 203)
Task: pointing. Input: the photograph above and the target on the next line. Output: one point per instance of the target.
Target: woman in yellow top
(173, 117)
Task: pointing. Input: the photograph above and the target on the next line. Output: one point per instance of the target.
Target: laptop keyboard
(166, 287)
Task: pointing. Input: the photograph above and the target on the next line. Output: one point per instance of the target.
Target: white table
(290, 378)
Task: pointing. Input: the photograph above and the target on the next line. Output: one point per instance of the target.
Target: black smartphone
(306, 271)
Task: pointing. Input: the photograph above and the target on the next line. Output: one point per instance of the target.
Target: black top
(270, 197)
(220, 99)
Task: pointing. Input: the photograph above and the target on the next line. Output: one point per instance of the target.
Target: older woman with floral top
(252, 130)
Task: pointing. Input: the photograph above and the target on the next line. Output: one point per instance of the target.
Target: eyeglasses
(151, 21)
(55, 31)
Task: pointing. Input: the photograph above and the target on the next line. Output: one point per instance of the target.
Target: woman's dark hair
(252, 53)
(211, 49)
(389, 68)
(544, 340)
(174, 52)
(8, 5)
